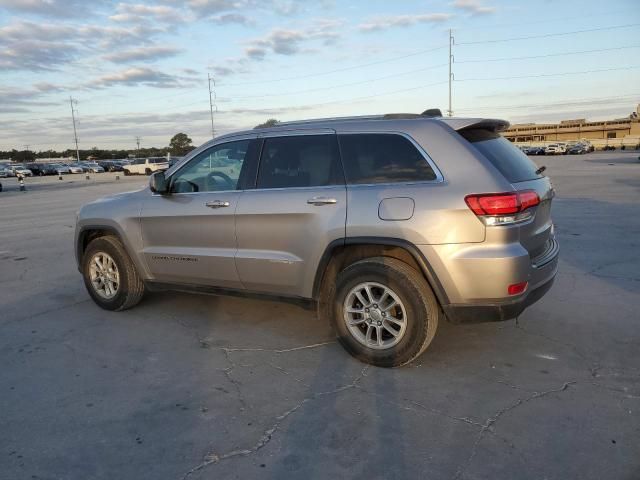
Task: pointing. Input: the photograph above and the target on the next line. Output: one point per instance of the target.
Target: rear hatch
(536, 235)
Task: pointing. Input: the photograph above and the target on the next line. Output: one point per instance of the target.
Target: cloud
(52, 8)
(16, 100)
(474, 7)
(136, 76)
(144, 53)
(138, 13)
(37, 46)
(389, 21)
(216, 6)
(231, 18)
(35, 55)
(46, 87)
(289, 42)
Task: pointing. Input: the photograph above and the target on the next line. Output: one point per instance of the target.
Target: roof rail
(430, 113)
(328, 119)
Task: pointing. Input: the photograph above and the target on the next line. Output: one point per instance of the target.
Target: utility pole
(138, 143)
(451, 43)
(75, 133)
(212, 96)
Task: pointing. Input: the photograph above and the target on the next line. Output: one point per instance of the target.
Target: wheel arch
(91, 232)
(346, 251)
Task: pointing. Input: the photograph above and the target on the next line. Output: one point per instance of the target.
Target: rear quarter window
(382, 158)
(510, 161)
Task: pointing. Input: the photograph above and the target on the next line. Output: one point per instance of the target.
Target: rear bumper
(498, 312)
(541, 273)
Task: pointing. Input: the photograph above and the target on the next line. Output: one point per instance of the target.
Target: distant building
(619, 131)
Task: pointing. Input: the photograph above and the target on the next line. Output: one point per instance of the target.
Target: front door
(297, 208)
(189, 235)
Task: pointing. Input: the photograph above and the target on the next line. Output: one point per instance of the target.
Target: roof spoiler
(432, 112)
(492, 124)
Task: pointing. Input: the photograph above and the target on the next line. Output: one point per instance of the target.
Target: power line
(499, 40)
(331, 87)
(503, 59)
(546, 21)
(344, 69)
(549, 74)
(573, 101)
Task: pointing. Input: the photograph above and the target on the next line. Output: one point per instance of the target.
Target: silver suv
(385, 224)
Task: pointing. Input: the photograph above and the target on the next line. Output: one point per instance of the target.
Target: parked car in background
(22, 170)
(91, 167)
(111, 165)
(578, 148)
(535, 151)
(74, 167)
(5, 172)
(554, 149)
(146, 166)
(60, 169)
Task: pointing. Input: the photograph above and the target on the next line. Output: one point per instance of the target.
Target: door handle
(322, 201)
(217, 204)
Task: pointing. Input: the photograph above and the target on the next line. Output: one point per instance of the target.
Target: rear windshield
(509, 160)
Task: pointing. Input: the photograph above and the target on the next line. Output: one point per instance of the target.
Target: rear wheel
(110, 276)
(383, 311)
(147, 171)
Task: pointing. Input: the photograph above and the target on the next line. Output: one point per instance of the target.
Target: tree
(180, 144)
(272, 122)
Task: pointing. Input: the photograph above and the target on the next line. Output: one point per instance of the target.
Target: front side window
(382, 158)
(300, 161)
(216, 169)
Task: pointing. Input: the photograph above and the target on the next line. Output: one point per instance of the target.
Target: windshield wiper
(540, 170)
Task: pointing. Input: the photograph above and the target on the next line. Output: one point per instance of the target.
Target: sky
(140, 69)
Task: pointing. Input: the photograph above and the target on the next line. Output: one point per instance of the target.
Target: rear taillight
(503, 208)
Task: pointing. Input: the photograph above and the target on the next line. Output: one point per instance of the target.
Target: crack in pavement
(494, 419)
(236, 384)
(214, 458)
(269, 350)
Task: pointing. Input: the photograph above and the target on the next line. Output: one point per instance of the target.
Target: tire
(417, 306)
(147, 171)
(126, 173)
(130, 287)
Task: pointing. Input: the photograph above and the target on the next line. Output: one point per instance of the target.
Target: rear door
(189, 235)
(297, 208)
(523, 174)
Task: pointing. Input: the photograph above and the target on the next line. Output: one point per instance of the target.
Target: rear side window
(299, 161)
(514, 165)
(382, 158)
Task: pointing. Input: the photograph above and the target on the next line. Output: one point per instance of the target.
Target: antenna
(73, 102)
(451, 43)
(212, 101)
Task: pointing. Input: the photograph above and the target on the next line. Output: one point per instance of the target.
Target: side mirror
(158, 183)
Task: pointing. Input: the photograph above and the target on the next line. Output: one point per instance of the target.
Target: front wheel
(383, 311)
(110, 276)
